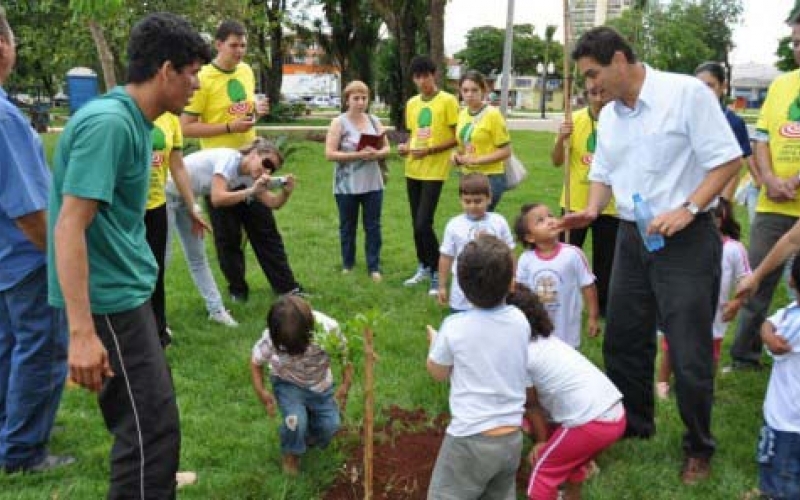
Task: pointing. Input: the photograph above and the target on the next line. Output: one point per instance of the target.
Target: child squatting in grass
(301, 378)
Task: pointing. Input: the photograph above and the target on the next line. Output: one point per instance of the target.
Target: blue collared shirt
(665, 146)
(24, 184)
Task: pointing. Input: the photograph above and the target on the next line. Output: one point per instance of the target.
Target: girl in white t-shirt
(735, 266)
(558, 273)
(573, 410)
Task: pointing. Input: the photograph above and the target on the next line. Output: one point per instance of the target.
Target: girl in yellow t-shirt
(483, 140)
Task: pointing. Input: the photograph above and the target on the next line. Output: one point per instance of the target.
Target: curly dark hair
(422, 65)
(291, 324)
(159, 38)
(528, 302)
(728, 225)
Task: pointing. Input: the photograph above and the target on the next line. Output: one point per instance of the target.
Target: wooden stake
(567, 108)
(369, 403)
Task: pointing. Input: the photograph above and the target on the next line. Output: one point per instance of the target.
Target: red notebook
(371, 140)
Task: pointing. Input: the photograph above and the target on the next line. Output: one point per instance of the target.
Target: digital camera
(276, 182)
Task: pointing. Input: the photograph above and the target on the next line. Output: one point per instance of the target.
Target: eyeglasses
(269, 165)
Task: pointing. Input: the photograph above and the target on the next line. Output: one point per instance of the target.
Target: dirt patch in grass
(405, 451)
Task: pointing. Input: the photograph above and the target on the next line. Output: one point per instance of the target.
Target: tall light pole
(507, 57)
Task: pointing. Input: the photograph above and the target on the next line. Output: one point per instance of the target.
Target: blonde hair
(262, 147)
(355, 87)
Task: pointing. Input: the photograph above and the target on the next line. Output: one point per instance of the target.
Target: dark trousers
(423, 197)
(766, 230)
(370, 205)
(155, 221)
(139, 408)
(604, 240)
(262, 231)
(678, 285)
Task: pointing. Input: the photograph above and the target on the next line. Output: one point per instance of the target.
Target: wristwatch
(691, 207)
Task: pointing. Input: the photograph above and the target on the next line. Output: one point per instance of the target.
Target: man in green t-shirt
(100, 268)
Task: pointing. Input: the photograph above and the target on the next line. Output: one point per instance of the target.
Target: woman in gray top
(357, 178)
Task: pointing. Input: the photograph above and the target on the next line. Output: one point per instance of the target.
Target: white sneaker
(223, 317)
(422, 274)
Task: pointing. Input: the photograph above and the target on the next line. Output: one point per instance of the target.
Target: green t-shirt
(104, 154)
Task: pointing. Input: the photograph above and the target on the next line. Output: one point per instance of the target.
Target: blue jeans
(499, 186)
(778, 458)
(309, 418)
(349, 204)
(33, 367)
(194, 249)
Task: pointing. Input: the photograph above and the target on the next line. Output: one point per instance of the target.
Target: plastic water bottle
(643, 215)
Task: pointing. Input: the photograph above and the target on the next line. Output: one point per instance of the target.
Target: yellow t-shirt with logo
(166, 136)
(581, 150)
(430, 123)
(224, 96)
(485, 137)
(784, 137)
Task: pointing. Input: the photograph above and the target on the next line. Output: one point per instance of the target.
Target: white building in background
(587, 14)
(750, 82)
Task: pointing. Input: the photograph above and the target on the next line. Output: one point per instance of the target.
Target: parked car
(321, 101)
(336, 102)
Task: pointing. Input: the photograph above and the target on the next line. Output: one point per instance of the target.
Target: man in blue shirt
(33, 336)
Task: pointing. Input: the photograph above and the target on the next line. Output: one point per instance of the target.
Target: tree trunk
(436, 27)
(275, 30)
(104, 53)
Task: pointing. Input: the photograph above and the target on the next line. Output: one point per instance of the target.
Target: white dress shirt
(665, 146)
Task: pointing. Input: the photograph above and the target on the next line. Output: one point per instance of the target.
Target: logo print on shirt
(159, 145)
(238, 96)
(790, 130)
(546, 289)
(424, 122)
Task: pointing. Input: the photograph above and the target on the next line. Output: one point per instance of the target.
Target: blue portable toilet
(81, 87)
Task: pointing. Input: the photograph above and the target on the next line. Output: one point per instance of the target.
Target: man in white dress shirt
(664, 137)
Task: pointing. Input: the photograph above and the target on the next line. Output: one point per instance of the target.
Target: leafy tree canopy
(484, 50)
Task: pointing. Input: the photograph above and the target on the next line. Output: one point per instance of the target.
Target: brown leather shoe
(695, 470)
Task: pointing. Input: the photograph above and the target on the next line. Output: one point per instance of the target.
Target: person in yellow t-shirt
(431, 120)
(483, 140)
(581, 132)
(223, 112)
(167, 157)
(778, 158)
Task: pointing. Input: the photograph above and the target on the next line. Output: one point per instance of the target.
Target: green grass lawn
(233, 445)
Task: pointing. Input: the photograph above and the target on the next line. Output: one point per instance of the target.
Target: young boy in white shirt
(475, 194)
(779, 444)
(483, 353)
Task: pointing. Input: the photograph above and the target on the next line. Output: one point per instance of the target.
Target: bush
(285, 112)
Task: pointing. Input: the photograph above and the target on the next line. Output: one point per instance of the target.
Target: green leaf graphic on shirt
(591, 142)
(794, 110)
(236, 92)
(465, 133)
(425, 118)
(159, 139)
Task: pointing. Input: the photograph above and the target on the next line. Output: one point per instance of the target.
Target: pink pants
(567, 453)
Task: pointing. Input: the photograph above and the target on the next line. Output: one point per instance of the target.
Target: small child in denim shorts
(301, 378)
(779, 444)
